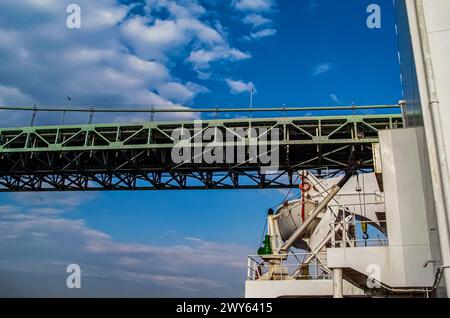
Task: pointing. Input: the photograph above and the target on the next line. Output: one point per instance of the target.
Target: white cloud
(158, 39)
(175, 91)
(321, 68)
(203, 75)
(254, 5)
(193, 239)
(103, 17)
(13, 95)
(182, 9)
(256, 20)
(117, 58)
(89, 64)
(65, 201)
(238, 87)
(202, 59)
(335, 98)
(261, 34)
(181, 93)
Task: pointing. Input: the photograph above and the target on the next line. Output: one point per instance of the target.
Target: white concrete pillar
(338, 289)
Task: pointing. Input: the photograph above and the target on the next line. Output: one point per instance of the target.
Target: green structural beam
(141, 156)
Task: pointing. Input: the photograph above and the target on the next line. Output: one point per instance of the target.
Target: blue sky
(183, 53)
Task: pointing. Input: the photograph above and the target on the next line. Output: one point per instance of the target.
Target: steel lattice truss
(138, 156)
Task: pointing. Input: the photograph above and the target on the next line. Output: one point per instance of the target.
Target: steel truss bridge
(138, 156)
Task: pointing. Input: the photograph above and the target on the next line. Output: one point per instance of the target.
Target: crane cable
(363, 210)
(289, 192)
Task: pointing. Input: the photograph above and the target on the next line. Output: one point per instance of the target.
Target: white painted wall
(401, 264)
(296, 288)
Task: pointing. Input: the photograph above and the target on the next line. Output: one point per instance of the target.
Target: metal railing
(380, 240)
(153, 110)
(171, 109)
(291, 267)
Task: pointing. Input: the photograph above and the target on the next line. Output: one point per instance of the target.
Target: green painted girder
(111, 157)
(322, 130)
